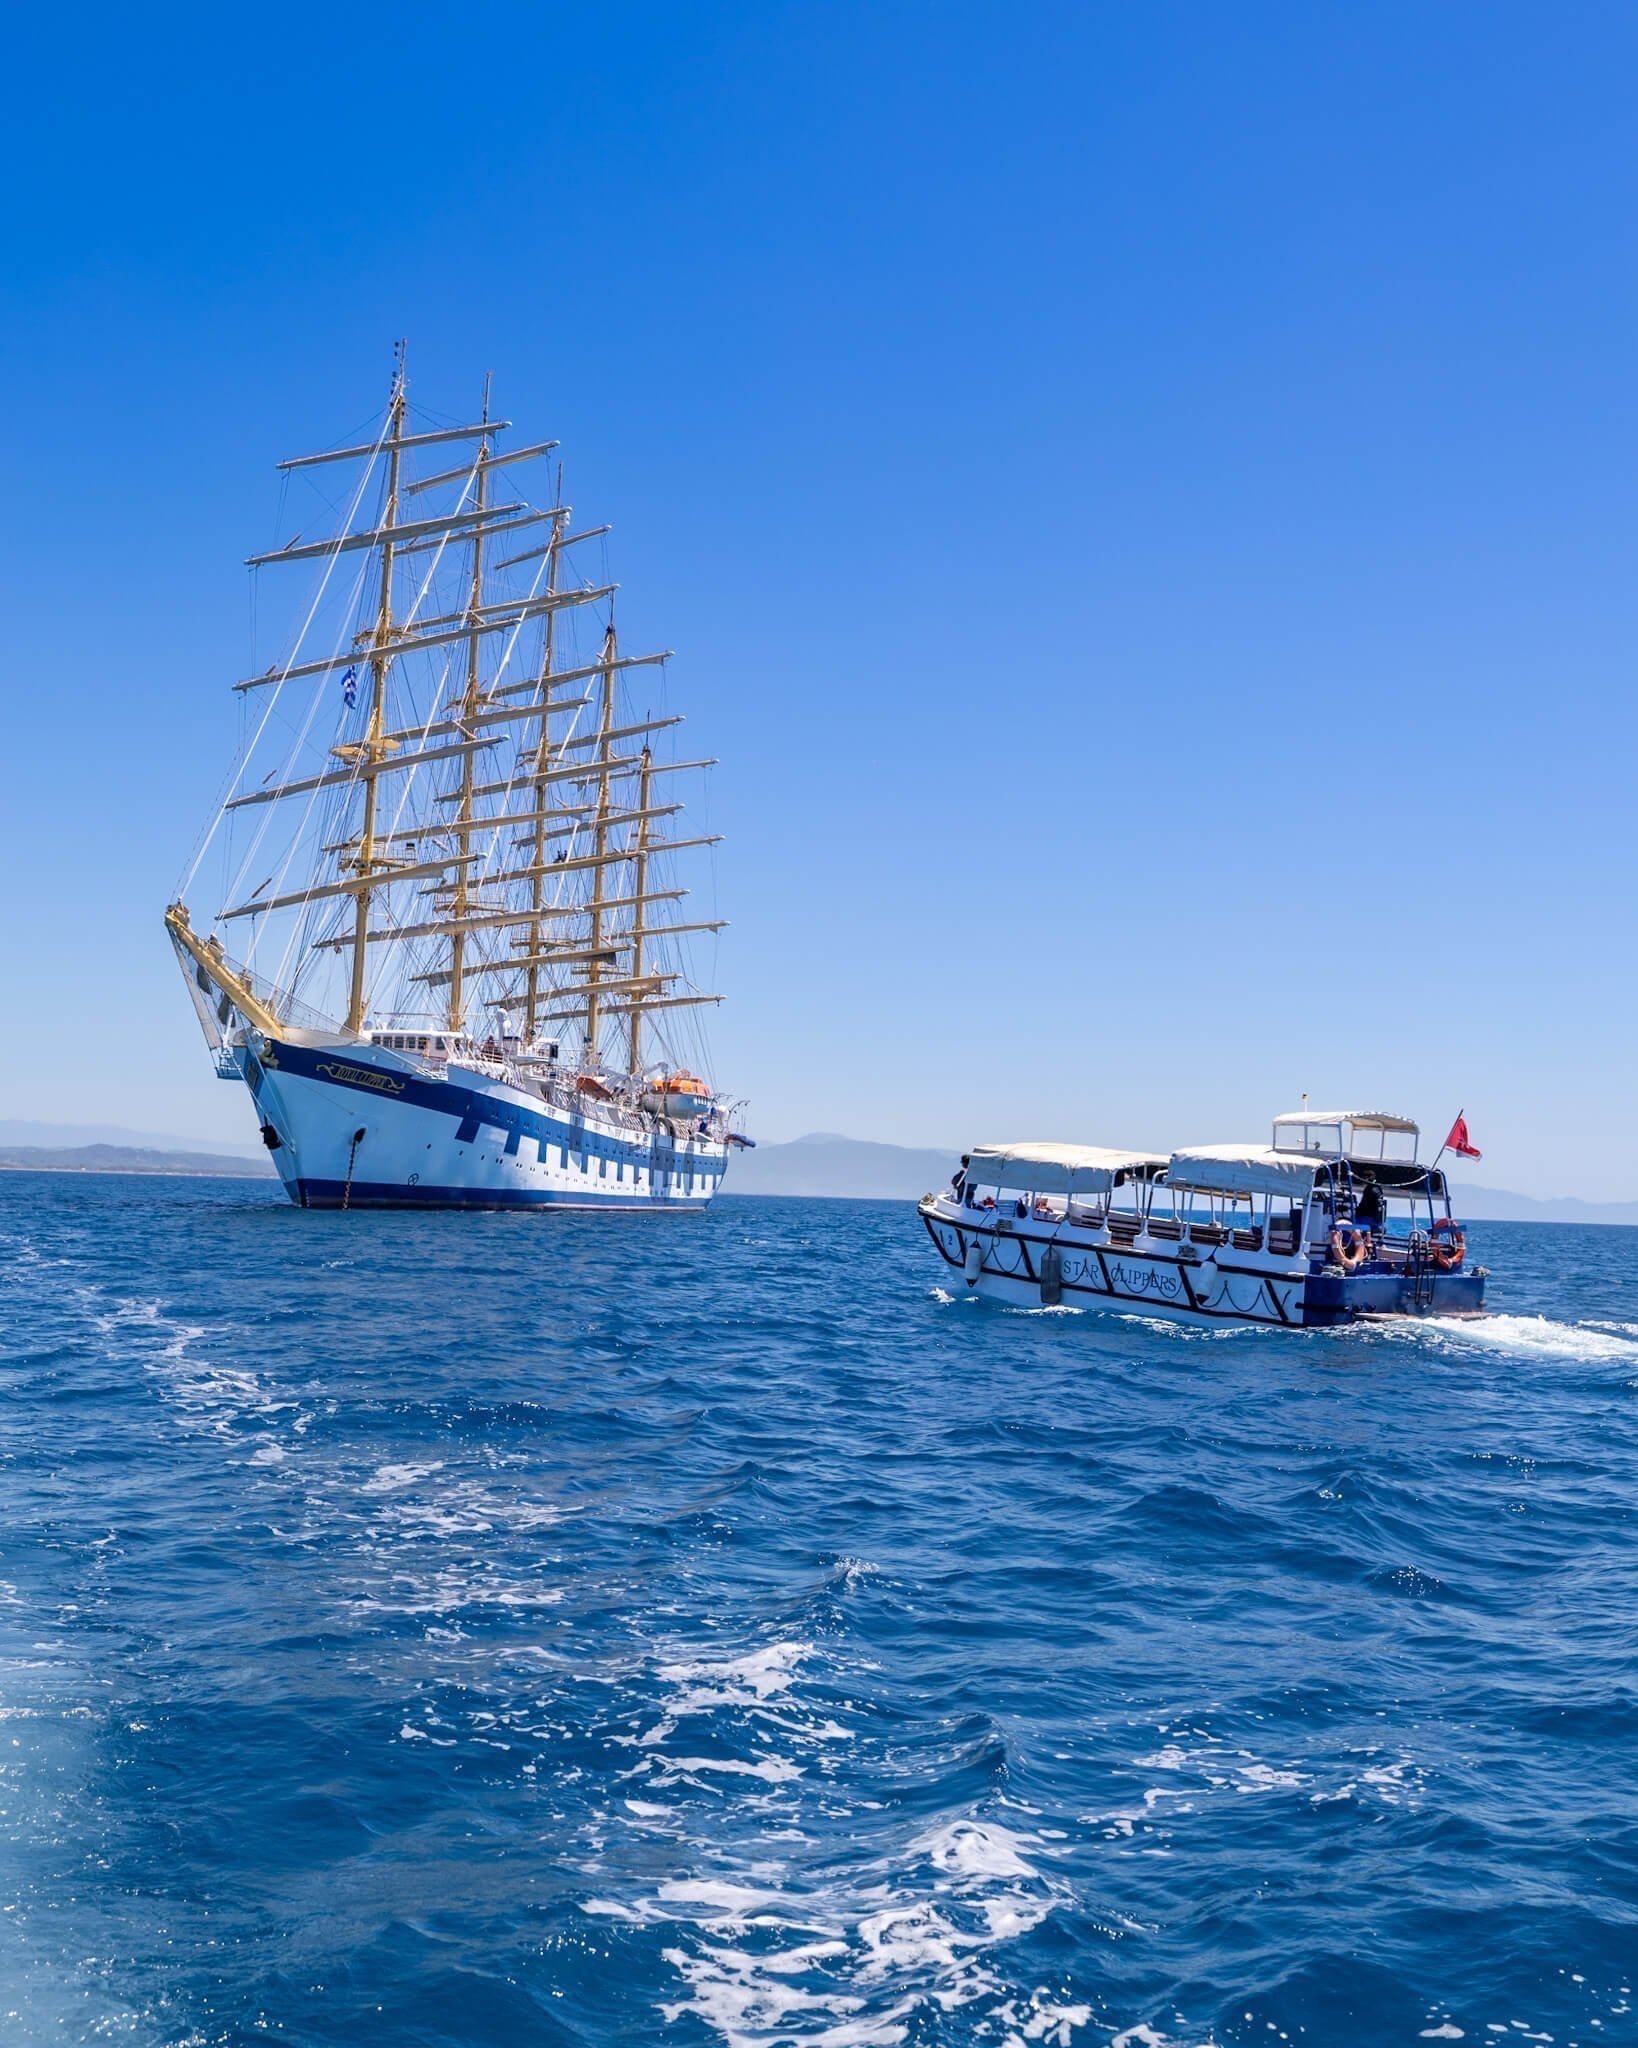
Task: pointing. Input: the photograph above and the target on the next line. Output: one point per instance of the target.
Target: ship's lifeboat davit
(682, 1095)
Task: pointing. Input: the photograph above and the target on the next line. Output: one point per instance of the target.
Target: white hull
(358, 1126)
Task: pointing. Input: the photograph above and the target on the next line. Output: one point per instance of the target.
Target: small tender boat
(1332, 1221)
(681, 1095)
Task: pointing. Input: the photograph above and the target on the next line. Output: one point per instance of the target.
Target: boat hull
(1029, 1264)
(358, 1127)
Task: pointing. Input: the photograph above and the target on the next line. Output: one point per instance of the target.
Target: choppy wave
(459, 1631)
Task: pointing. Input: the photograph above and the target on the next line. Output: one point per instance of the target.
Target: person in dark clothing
(1371, 1211)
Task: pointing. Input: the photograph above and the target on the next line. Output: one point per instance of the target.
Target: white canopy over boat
(1040, 1167)
(1355, 1133)
(1244, 1170)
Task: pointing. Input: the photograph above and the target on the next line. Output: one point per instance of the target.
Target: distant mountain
(20, 1131)
(1495, 1205)
(825, 1164)
(127, 1159)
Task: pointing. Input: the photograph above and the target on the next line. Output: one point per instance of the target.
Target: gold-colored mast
(639, 926)
(600, 849)
(460, 901)
(542, 785)
(374, 751)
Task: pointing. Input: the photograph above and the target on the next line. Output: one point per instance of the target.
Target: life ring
(1350, 1246)
(1449, 1245)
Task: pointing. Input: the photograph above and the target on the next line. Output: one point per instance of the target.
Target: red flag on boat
(1459, 1142)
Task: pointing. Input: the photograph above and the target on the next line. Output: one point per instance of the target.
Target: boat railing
(287, 1008)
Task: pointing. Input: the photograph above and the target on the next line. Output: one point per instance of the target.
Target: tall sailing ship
(450, 841)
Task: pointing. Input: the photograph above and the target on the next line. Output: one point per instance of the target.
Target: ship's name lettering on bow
(360, 1077)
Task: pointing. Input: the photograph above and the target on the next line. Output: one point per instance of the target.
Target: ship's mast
(460, 902)
(542, 789)
(600, 850)
(374, 751)
(639, 925)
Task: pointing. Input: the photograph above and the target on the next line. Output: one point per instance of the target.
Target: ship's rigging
(471, 813)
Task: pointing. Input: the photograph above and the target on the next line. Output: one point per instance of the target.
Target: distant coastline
(226, 1171)
(820, 1167)
(130, 1160)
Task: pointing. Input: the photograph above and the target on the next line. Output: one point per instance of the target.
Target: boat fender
(1052, 1277)
(1449, 1245)
(1350, 1246)
(973, 1264)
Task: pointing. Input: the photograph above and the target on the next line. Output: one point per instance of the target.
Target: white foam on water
(747, 1680)
(857, 1958)
(1518, 1336)
(1264, 1778)
(772, 1770)
(449, 1592)
(970, 1848)
(734, 1901)
(1046, 2021)
(1203, 1775)
(1150, 2037)
(851, 1572)
(919, 1932)
(389, 1478)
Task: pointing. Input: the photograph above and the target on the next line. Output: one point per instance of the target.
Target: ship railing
(286, 1007)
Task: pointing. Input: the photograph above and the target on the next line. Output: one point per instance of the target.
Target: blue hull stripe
(473, 1109)
(380, 1194)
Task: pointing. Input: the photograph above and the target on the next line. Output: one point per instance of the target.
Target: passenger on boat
(958, 1179)
(1371, 1210)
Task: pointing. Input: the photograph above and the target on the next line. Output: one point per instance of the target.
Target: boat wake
(1520, 1336)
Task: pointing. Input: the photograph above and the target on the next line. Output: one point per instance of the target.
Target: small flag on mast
(1459, 1142)
(349, 687)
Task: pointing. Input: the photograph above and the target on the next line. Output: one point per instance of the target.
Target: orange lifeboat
(682, 1095)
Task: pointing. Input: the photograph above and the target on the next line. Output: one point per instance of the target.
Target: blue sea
(456, 1631)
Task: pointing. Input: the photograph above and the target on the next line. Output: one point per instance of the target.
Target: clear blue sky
(1144, 498)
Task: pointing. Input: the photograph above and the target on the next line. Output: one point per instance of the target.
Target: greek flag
(349, 687)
